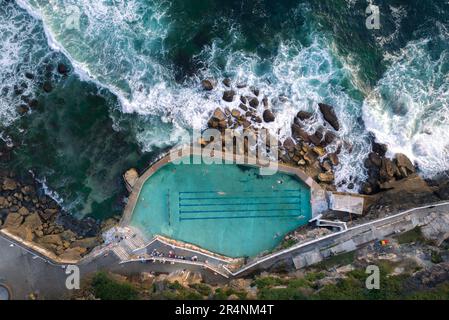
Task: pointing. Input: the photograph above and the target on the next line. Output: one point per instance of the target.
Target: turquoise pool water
(228, 209)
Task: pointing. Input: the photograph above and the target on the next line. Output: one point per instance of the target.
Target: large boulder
(404, 164)
(333, 157)
(72, 254)
(208, 84)
(329, 115)
(304, 115)
(326, 177)
(375, 159)
(33, 221)
(4, 203)
(68, 235)
(131, 177)
(388, 169)
(219, 115)
(48, 214)
(289, 144)
(254, 103)
(23, 232)
(9, 184)
(438, 229)
(228, 95)
(51, 239)
(268, 116)
(23, 211)
(13, 220)
(87, 243)
(299, 134)
(329, 137)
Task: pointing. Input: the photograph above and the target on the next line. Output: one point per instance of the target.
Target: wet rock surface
(29, 214)
(392, 182)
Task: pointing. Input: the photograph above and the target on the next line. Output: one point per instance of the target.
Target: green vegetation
(414, 235)
(436, 257)
(287, 244)
(176, 291)
(106, 288)
(225, 293)
(274, 288)
(352, 287)
(336, 261)
(201, 288)
(441, 292)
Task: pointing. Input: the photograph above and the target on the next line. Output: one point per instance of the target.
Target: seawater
(135, 90)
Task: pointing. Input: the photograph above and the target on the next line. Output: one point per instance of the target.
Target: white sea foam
(129, 60)
(409, 109)
(22, 49)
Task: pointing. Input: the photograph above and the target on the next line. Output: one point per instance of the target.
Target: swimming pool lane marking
(237, 204)
(258, 197)
(242, 217)
(286, 190)
(168, 207)
(240, 210)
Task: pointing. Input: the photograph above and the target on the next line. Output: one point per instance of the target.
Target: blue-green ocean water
(242, 215)
(137, 64)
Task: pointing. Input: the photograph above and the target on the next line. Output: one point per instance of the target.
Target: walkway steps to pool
(121, 253)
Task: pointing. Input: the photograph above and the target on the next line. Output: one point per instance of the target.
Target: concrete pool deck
(318, 198)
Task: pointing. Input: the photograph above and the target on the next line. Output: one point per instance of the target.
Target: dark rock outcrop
(228, 95)
(329, 115)
(268, 116)
(208, 84)
(304, 115)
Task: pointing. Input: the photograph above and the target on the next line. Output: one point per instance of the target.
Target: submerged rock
(62, 68)
(47, 87)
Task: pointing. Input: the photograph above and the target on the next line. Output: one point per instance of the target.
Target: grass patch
(107, 288)
(287, 244)
(224, 293)
(201, 288)
(414, 235)
(435, 257)
(441, 292)
(336, 261)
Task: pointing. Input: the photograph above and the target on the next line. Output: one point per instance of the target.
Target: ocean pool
(227, 209)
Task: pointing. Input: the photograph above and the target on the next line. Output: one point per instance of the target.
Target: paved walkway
(26, 272)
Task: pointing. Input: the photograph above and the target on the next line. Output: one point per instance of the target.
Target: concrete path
(25, 272)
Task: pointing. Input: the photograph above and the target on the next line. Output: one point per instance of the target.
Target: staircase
(121, 253)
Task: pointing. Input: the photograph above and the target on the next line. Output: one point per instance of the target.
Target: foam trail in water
(409, 108)
(23, 50)
(121, 48)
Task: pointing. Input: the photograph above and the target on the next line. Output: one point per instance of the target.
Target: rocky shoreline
(317, 153)
(392, 184)
(28, 213)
